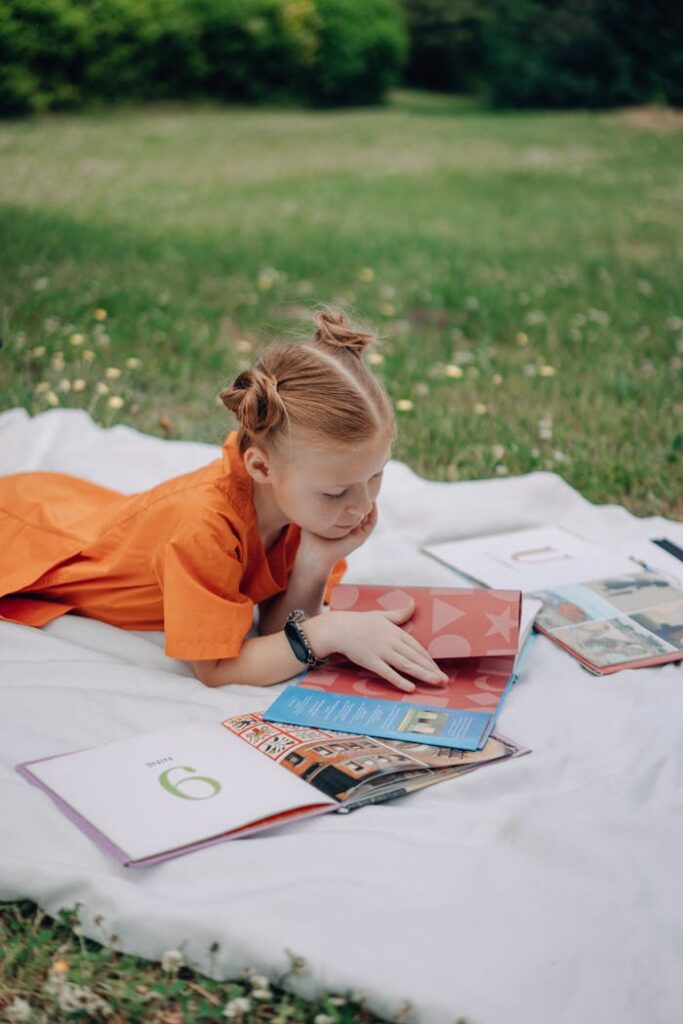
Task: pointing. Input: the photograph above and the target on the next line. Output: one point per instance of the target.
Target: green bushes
(549, 53)
(446, 47)
(68, 53)
(585, 53)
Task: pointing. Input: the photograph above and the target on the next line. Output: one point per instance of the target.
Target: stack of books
(611, 610)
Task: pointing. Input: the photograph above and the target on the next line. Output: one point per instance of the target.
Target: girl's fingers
(408, 662)
(388, 673)
(417, 648)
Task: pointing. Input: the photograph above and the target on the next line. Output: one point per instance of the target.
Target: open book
(165, 793)
(473, 634)
(599, 605)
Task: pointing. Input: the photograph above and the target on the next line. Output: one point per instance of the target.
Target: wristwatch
(298, 640)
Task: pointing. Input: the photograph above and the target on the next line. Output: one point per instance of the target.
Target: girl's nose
(360, 508)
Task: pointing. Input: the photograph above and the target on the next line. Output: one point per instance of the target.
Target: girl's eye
(340, 495)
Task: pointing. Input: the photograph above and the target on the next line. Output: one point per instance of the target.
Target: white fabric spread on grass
(546, 889)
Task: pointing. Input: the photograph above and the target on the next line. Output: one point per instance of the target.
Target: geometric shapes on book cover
(443, 614)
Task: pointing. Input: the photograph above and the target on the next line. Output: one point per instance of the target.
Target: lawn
(522, 270)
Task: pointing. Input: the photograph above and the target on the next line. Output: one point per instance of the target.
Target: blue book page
(369, 716)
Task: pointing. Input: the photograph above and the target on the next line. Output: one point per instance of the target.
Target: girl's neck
(269, 516)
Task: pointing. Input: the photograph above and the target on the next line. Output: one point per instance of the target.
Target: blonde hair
(322, 387)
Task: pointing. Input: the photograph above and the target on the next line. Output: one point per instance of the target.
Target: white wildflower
(112, 373)
(261, 993)
(237, 1007)
(18, 1010)
(545, 428)
(258, 981)
(115, 402)
(323, 1018)
(171, 960)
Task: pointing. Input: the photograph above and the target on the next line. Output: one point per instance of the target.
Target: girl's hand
(318, 551)
(374, 641)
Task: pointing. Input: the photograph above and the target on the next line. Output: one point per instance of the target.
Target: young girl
(269, 524)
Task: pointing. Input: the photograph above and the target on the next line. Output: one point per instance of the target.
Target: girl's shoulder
(204, 498)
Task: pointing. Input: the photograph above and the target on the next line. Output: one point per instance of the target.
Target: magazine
(164, 793)
(610, 610)
(619, 622)
(472, 633)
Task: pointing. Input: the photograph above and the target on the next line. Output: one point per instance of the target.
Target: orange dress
(185, 556)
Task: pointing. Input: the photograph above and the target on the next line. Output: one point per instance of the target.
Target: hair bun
(254, 401)
(334, 328)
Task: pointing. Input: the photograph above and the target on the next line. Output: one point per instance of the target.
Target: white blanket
(546, 889)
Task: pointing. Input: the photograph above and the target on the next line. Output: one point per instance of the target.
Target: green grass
(523, 271)
(49, 972)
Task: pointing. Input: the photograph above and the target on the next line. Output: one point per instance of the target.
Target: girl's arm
(305, 589)
(264, 660)
(372, 640)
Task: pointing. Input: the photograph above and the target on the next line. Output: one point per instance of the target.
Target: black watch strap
(298, 640)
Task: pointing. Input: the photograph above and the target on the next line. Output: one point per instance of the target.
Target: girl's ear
(257, 463)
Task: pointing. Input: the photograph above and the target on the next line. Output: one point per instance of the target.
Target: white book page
(164, 789)
(651, 555)
(529, 560)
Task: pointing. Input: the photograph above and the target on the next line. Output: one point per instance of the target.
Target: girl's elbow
(207, 672)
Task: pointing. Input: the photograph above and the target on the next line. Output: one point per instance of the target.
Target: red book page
(448, 622)
(474, 684)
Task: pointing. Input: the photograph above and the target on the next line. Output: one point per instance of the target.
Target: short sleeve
(200, 571)
(335, 577)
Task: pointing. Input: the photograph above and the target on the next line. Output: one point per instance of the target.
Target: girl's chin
(335, 531)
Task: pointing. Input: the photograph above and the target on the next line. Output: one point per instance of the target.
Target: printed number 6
(174, 788)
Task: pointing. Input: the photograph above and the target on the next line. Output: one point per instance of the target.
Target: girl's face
(328, 491)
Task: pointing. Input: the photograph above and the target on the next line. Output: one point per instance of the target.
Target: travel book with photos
(473, 634)
(607, 610)
(164, 793)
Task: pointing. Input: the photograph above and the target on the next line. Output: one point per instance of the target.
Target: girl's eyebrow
(345, 486)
